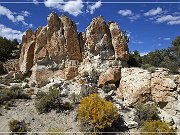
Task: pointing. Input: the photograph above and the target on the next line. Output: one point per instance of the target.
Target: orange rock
(111, 76)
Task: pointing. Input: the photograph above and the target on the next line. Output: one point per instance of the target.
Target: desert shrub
(108, 87)
(75, 98)
(87, 90)
(145, 112)
(149, 67)
(55, 131)
(14, 92)
(67, 106)
(42, 103)
(96, 114)
(156, 127)
(18, 126)
(52, 99)
(91, 77)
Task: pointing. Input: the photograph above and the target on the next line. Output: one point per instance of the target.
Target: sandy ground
(25, 110)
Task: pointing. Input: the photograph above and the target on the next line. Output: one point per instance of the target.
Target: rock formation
(57, 50)
(111, 76)
(138, 85)
(161, 87)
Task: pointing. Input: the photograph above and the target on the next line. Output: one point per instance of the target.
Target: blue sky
(149, 26)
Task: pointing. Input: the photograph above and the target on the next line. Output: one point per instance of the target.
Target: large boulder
(139, 85)
(110, 76)
(134, 85)
(162, 86)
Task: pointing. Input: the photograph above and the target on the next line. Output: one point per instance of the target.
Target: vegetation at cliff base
(145, 112)
(96, 114)
(156, 127)
(52, 99)
(7, 95)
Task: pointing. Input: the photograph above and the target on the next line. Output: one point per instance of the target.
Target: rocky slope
(57, 54)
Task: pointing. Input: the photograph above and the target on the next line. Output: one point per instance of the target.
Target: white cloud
(12, 15)
(10, 33)
(153, 12)
(144, 53)
(35, 2)
(92, 8)
(25, 13)
(160, 16)
(135, 17)
(125, 12)
(167, 38)
(137, 42)
(128, 13)
(72, 7)
(6, 12)
(169, 19)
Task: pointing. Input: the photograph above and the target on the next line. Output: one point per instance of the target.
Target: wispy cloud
(137, 42)
(169, 19)
(13, 16)
(10, 33)
(125, 12)
(72, 7)
(153, 12)
(159, 16)
(93, 7)
(129, 14)
(166, 38)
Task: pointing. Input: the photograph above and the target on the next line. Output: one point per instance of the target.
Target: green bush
(75, 98)
(156, 127)
(93, 77)
(96, 114)
(14, 92)
(87, 90)
(18, 126)
(51, 100)
(145, 112)
(108, 87)
(42, 103)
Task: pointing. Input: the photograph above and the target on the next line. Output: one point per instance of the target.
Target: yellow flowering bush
(97, 112)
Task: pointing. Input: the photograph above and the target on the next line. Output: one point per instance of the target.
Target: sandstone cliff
(59, 51)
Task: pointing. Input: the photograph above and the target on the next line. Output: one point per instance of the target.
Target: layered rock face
(161, 87)
(140, 85)
(57, 50)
